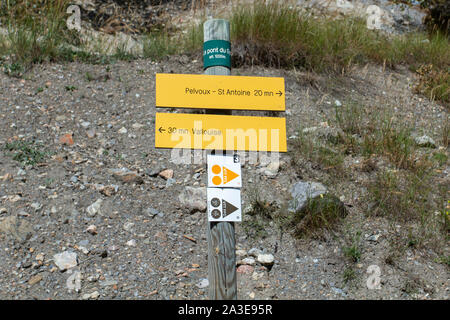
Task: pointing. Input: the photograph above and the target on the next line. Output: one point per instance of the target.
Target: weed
(322, 153)
(440, 158)
(435, 84)
(27, 153)
(349, 275)
(36, 31)
(444, 260)
(70, 88)
(354, 251)
(275, 34)
(14, 69)
(89, 76)
(258, 217)
(323, 212)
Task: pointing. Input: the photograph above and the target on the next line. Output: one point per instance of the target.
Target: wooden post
(220, 235)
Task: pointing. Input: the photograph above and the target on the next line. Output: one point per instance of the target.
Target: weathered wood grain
(220, 235)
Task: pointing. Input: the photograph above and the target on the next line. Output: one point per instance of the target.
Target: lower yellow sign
(219, 132)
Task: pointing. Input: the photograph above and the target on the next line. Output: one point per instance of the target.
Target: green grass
(257, 219)
(434, 83)
(354, 250)
(25, 152)
(325, 154)
(36, 31)
(320, 213)
(276, 35)
(349, 275)
(270, 34)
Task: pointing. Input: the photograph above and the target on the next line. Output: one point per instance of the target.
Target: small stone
(91, 133)
(137, 126)
(128, 226)
(193, 199)
(94, 208)
(166, 174)
(92, 229)
(36, 206)
(170, 182)
(108, 283)
(131, 243)
(86, 296)
(241, 253)
(126, 176)
(338, 291)
(254, 252)
(203, 283)
(153, 212)
(65, 260)
(271, 170)
(425, 141)
(245, 269)
(109, 190)
(95, 295)
(266, 259)
(74, 281)
(122, 130)
(3, 210)
(248, 261)
(374, 238)
(22, 213)
(35, 279)
(66, 139)
(84, 250)
(40, 257)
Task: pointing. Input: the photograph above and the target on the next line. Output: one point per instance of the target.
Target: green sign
(216, 53)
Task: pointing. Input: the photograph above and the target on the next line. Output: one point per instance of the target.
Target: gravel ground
(139, 241)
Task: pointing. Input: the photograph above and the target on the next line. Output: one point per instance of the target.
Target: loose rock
(94, 208)
(65, 260)
(302, 191)
(193, 199)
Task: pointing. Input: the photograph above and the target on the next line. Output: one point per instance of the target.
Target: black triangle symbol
(227, 208)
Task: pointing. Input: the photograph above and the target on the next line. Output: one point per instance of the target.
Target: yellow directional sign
(219, 132)
(220, 92)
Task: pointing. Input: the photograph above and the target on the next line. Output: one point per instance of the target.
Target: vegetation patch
(320, 213)
(27, 153)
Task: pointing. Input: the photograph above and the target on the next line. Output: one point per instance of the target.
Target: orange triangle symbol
(228, 175)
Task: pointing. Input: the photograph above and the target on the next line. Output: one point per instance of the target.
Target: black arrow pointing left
(161, 130)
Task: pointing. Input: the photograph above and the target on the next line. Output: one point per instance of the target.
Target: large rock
(302, 191)
(193, 199)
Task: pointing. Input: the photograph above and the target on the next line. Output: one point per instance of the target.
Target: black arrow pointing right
(279, 93)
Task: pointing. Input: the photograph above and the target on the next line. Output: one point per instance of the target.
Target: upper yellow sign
(220, 92)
